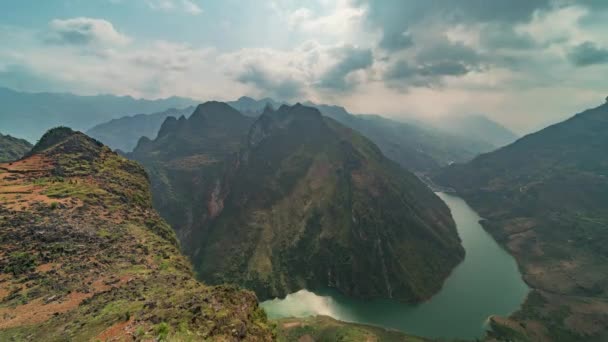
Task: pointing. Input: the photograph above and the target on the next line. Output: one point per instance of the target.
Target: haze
(522, 63)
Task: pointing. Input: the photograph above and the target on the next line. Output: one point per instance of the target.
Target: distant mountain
(419, 147)
(251, 107)
(296, 200)
(29, 115)
(85, 257)
(124, 133)
(12, 148)
(476, 127)
(545, 198)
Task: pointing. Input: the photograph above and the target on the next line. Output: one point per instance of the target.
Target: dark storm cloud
(401, 74)
(587, 54)
(283, 89)
(352, 59)
(396, 16)
(445, 50)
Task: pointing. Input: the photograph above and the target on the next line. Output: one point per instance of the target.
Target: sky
(523, 63)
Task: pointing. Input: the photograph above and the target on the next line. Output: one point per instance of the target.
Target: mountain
(12, 148)
(544, 198)
(124, 133)
(252, 107)
(29, 115)
(476, 127)
(418, 147)
(296, 200)
(85, 257)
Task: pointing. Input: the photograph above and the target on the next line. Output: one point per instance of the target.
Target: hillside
(12, 148)
(29, 115)
(544, 198)
(293, 201)
(85, 257)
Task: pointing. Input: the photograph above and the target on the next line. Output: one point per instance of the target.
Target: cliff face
(296, 200)
(84, 256)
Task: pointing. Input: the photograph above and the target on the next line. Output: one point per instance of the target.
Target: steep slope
(124, 133)
(198, 154)
(545, 198)
(12, 148)
(309, 197)
(85, 257)
(29, 115)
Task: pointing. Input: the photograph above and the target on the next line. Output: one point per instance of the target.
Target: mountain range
(417, 146)
(544, 198)
(293, 200)
(29, 115)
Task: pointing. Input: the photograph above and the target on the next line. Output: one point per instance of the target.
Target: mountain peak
(60, 136)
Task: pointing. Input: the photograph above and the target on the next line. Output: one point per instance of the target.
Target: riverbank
(486, 283)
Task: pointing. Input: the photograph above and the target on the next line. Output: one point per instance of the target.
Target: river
(486, 283)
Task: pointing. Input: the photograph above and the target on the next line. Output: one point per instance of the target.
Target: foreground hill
(545, 198)
(124, 133)
(29, 115)
(85, 257)
(12, 148)
(296, 200)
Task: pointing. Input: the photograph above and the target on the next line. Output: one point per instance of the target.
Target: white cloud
(85, 31)
(191, 7)
(187, 6)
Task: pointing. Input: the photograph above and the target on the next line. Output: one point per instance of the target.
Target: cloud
(85, 31)
(587, 54)
(395, 41)
(403, 75)
(187, 6)
(282, 88)
(352, 59)
(335, 18)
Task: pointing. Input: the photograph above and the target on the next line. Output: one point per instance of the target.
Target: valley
(486, 284)
(543, 198)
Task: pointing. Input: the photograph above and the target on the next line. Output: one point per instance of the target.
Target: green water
(486, 283)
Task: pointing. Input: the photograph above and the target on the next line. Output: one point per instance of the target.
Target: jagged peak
(214, 109)
(272, 120)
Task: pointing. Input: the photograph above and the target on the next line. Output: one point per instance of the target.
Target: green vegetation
(102, 264)
(19, 263)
